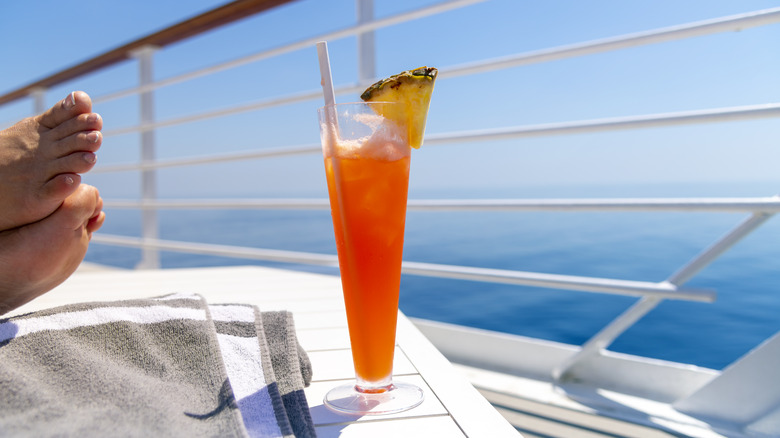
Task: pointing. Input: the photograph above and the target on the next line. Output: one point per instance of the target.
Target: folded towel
(169, 366)
(243, 334)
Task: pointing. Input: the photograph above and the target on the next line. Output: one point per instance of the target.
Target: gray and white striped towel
(169, 366)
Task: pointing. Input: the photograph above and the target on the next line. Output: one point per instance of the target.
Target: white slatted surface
(452, 407)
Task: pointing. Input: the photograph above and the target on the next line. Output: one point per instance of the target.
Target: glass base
(399, 397)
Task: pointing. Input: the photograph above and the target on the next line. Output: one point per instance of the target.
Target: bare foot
(37, 257)
(41, 157)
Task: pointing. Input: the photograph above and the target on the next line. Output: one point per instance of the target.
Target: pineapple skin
(411, 91)
(395, 81)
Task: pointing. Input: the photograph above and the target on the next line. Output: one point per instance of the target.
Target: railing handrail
(190, 27)
(711, 205)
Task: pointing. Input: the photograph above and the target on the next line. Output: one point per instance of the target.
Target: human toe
(75, 103)
(76, 162)
(60, 187)
(79, 207)
(98, 215)
(95, 223)
(86, 196)
(86, 123)
(85, 141)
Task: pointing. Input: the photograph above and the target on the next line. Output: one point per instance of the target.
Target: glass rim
(337, 105)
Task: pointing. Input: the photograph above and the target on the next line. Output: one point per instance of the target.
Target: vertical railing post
(365, 43)
(150, 257)
(39, 100)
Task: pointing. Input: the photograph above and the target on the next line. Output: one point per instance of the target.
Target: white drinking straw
(327, 80)
(328, 147)
(330, 96)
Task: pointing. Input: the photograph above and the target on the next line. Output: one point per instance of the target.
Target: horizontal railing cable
(733, 23)
(765, 205)
(729, 114)
(143, 127)
(219, 250)
(298, 45)
(554, 281)
(711, 205)
(211, 159)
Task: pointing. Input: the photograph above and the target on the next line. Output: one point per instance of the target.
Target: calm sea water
(632, 246)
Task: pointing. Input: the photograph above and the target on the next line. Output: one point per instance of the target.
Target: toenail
(70, 101)
(94, 136)
(90, 158)
(69, 180)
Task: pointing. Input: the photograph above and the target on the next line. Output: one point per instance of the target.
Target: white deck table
(452, 407)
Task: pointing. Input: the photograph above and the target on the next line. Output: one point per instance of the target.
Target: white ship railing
(651, 293)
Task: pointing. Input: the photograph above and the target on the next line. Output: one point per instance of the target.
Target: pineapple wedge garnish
(411, 90)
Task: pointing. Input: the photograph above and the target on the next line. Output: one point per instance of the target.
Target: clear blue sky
(42, 37)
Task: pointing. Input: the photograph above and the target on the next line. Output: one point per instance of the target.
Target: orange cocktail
(367, 167)
(370, 238)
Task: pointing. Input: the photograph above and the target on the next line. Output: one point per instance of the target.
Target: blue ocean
(646, 246)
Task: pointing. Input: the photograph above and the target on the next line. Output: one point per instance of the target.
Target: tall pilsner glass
(367, 167)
